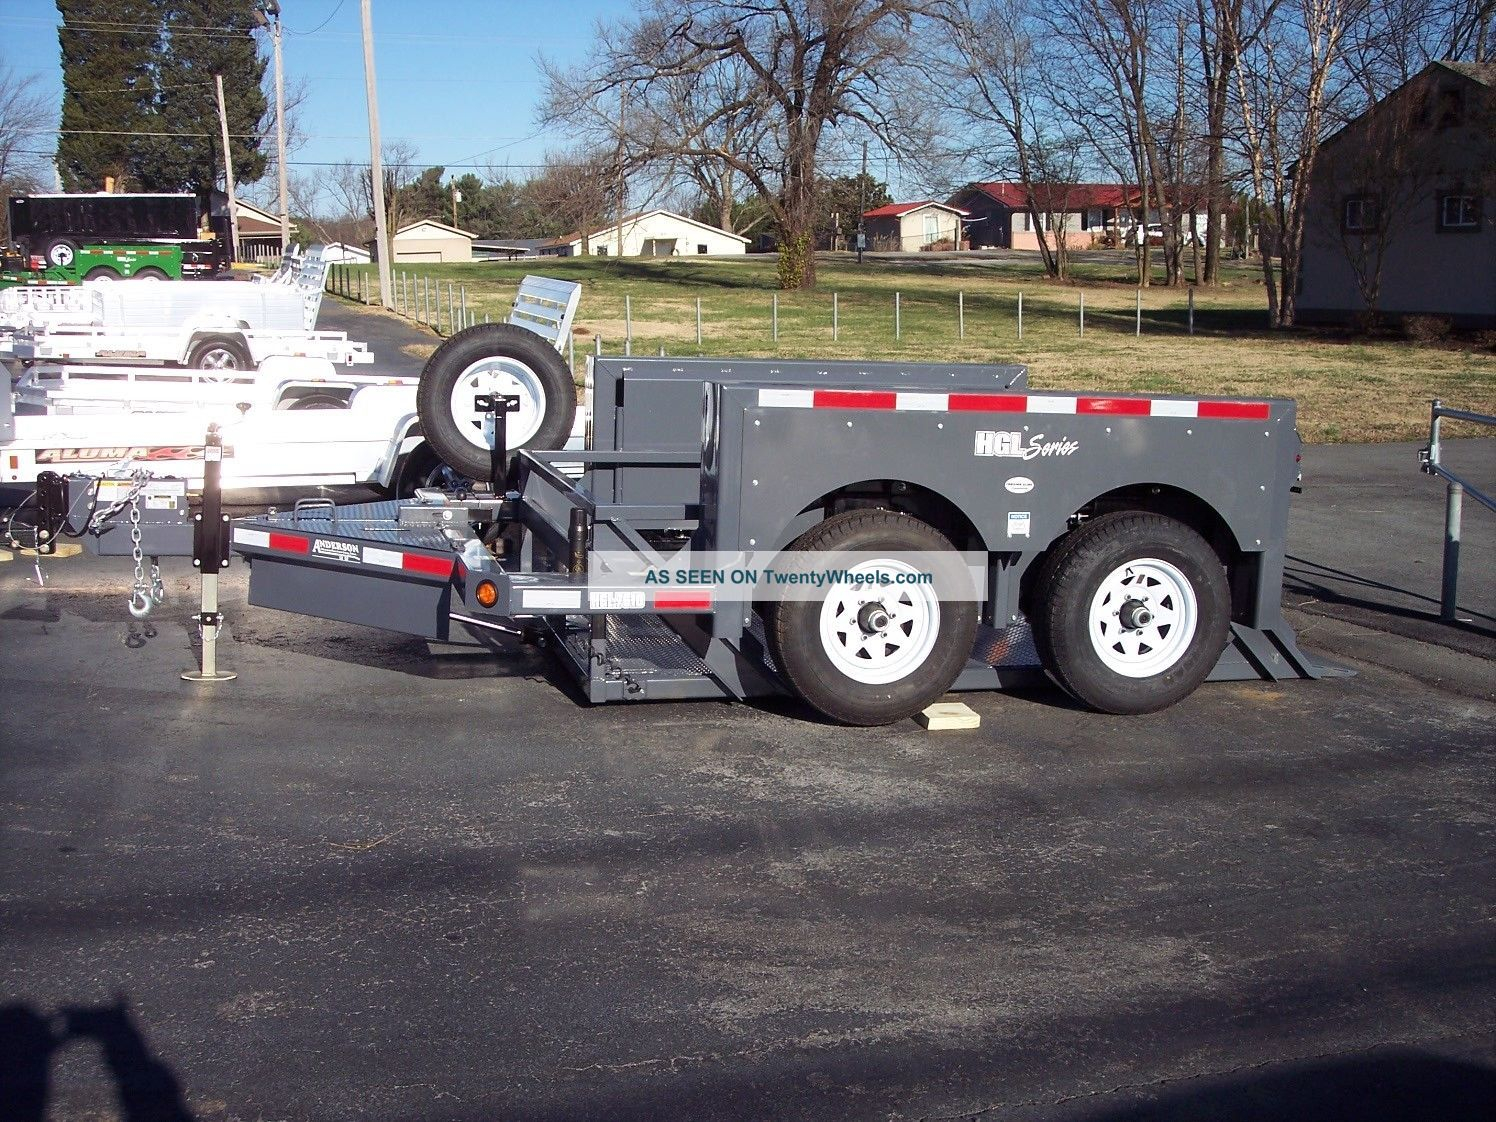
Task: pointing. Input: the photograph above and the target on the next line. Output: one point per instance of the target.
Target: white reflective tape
(552, 599)
(251, 537)
(786, 399)
(1175, 408)
(1037, 403)
(924, 402)
(389, 558)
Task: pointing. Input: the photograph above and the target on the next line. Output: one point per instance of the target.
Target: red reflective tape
(419, 563)
(1114, 406)
(987, 403)
(683, 601)
(1235, 410)
(290, 543)
(855, 399)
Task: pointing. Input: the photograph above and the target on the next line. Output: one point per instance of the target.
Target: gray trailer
(1131, 546)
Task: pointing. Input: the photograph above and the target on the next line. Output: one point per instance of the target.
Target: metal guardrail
(1454, 500)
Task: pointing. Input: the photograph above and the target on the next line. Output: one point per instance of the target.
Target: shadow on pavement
(147, 1089)
(1406, 1085)
(1326, 584)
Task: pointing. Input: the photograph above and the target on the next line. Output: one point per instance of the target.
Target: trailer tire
(1154, 569)
(865, 658)
(222, 353)
(318, 401)
(421, 467)
(149, 273)
(101, 273)
(61, 253)
(494, 358)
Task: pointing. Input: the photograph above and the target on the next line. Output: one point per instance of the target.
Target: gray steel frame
(711, 449)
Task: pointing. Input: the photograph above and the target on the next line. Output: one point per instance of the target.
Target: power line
(321, 25)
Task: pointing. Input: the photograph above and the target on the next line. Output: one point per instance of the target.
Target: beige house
(431, 241)
(1402, 206)
(259, 232)
(908, 227)
(653, 233)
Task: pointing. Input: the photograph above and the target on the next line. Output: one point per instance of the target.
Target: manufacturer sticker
(121, 452)
(1011, 445)
(1019, 485)
(336, 551)
(1018, 524)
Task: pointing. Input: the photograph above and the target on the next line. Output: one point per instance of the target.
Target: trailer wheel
(494, 358)
(148, 274)
(1132, 612)
(870, 655)
(318, 401)
(61, 253)
(422, 468)
(221, 353)
(101, 273)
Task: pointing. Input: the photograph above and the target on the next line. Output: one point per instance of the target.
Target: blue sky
(457, 78)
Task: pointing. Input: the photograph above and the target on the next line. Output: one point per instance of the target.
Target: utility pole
(376, 168)
(271, 9)
(623, 104)
(862, 205)
(456, 198)
(228, 171)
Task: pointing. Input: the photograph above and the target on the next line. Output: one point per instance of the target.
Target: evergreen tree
(109, 52)
(204, 38)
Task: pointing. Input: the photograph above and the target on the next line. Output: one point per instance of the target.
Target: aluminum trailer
(1130, 545)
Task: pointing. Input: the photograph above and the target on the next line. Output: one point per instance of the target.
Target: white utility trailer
(297, 421)
(225, 325)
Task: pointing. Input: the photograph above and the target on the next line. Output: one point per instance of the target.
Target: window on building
(932, 228)
(700, 248)
(1459, 212)
(1358, 214)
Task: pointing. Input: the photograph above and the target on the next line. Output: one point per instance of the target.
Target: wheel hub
(1134, 614)
(873, 618)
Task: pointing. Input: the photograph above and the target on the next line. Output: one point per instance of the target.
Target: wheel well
(1182, 506)
(898, 495)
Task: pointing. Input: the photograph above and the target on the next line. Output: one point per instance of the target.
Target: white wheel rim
(889, 653)
(1154, 643)
(149, 278)
(62, 256)
(218, 365)
(498, 376)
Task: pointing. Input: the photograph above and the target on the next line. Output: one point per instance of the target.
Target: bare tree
(993, 87)
(1289, 54)
(799, 69)
(577, 190)
(1217, 30)
(24, 113)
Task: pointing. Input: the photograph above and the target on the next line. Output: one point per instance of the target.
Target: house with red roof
(999, 214)
(908, 227)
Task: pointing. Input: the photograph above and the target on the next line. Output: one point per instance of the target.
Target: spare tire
(494, 358)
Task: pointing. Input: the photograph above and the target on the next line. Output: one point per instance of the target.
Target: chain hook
(140, 604)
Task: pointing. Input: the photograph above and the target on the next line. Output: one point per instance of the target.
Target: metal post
(628, 325)
(698, 321)
(1083, 315)
(571, 350)
(451, 309)
(960, 315)
(1192, 309)
(228, 172)
(835, 316)
(1453, 508)
(597, 345)
(464, 307)
(898, 319)
(776, 317)
(1138, 329)
(1020, 315)
(426, 289)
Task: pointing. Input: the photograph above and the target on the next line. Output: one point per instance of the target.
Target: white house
(431, 241)
(652, 233)
(901, 227)
(349, 254)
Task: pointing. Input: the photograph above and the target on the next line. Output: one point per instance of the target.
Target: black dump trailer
(50, 229)
(1129, 546)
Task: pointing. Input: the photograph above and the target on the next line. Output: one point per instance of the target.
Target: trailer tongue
(1131, 546)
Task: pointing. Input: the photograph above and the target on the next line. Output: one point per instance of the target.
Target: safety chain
(145, 593)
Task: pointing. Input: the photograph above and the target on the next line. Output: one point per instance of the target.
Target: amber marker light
(487, 593)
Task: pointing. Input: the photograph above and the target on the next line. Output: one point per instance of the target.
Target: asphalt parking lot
(365, 881)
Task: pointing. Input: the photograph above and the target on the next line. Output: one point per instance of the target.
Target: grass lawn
(1348, 388)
